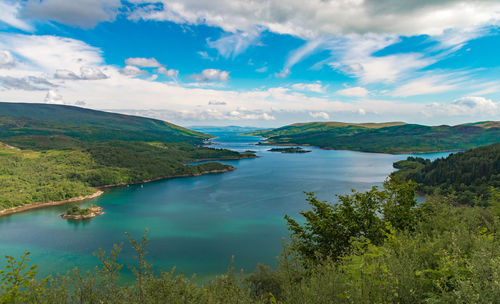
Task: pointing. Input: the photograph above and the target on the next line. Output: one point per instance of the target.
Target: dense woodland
(465, 177)
(391, 137)
(50, 152)
(374, 247)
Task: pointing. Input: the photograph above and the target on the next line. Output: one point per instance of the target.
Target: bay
(198, 223)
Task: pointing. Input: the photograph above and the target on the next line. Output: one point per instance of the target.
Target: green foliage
(76, 210)
(465, 176)
(66, 151)
(392, 137)
(331, 229)
(442, 254)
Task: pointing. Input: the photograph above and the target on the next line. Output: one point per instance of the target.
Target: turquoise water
(198, 223)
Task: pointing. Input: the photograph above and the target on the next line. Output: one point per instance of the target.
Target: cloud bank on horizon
(261, 63)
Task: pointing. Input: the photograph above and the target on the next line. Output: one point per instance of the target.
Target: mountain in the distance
(55, 152)
(86, 124)
(389, 137)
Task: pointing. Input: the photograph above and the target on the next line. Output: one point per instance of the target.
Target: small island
(77, 213)
(289, 150)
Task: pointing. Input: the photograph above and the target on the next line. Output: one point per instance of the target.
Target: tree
(330, 229)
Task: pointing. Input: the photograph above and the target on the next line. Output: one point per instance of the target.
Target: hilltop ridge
(387, 137)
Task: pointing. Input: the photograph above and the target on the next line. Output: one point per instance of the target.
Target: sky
(263, 63)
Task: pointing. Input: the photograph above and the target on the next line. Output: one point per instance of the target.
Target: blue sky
(257, 63)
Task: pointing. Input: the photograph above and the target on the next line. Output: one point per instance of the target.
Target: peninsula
(388, 137)
(55, 154)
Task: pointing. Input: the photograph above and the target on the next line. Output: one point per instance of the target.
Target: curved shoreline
(49, 203)
(364, 151)
(100, 191)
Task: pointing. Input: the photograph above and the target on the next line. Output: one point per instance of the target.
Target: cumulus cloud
(143, 62)
(354, 92)
(6, 59)
(171, 73)
(211, 75)
(91, 73)
(310, 87)
(86, 73)
(322, 115)
(53, 97)
(82, 13)
(477, 103)
(29, 83)
(131, 70)
(464, 106)
(317, 17)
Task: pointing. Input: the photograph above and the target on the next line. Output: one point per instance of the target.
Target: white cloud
(171, 73)
(216, 103)
(9, 14)
(211, 75)
(423, 86)
(354, 92)
(35, 74)
(91, 73)
(28, 83)
(284, 73)
(311, 87)
(316, 17)
(131, 70)
(53, 97)
(86, 73)
(82, 13)
(6, 59)
(143, 62)
(353, 55)
(477, 103)
(233, 44)
(50, 53)
(261, 69)
(65, 74)
(322, 115)
(307, 49)
(469, 106)
(205, 55)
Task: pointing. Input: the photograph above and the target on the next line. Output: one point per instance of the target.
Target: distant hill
(55, 152)
(390, 137)
(17, 119)
(466, 176)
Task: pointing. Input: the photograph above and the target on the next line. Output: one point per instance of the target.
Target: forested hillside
(466, 177)
(390, 137)
(51, 152)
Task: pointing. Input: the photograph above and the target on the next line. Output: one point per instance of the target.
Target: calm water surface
(198, 223)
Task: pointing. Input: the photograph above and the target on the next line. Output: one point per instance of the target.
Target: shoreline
(100, 191)
(49, 203)
(380, 152)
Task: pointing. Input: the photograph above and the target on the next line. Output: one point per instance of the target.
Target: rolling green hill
(467, 177)
(390, 137)
(53, 152)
